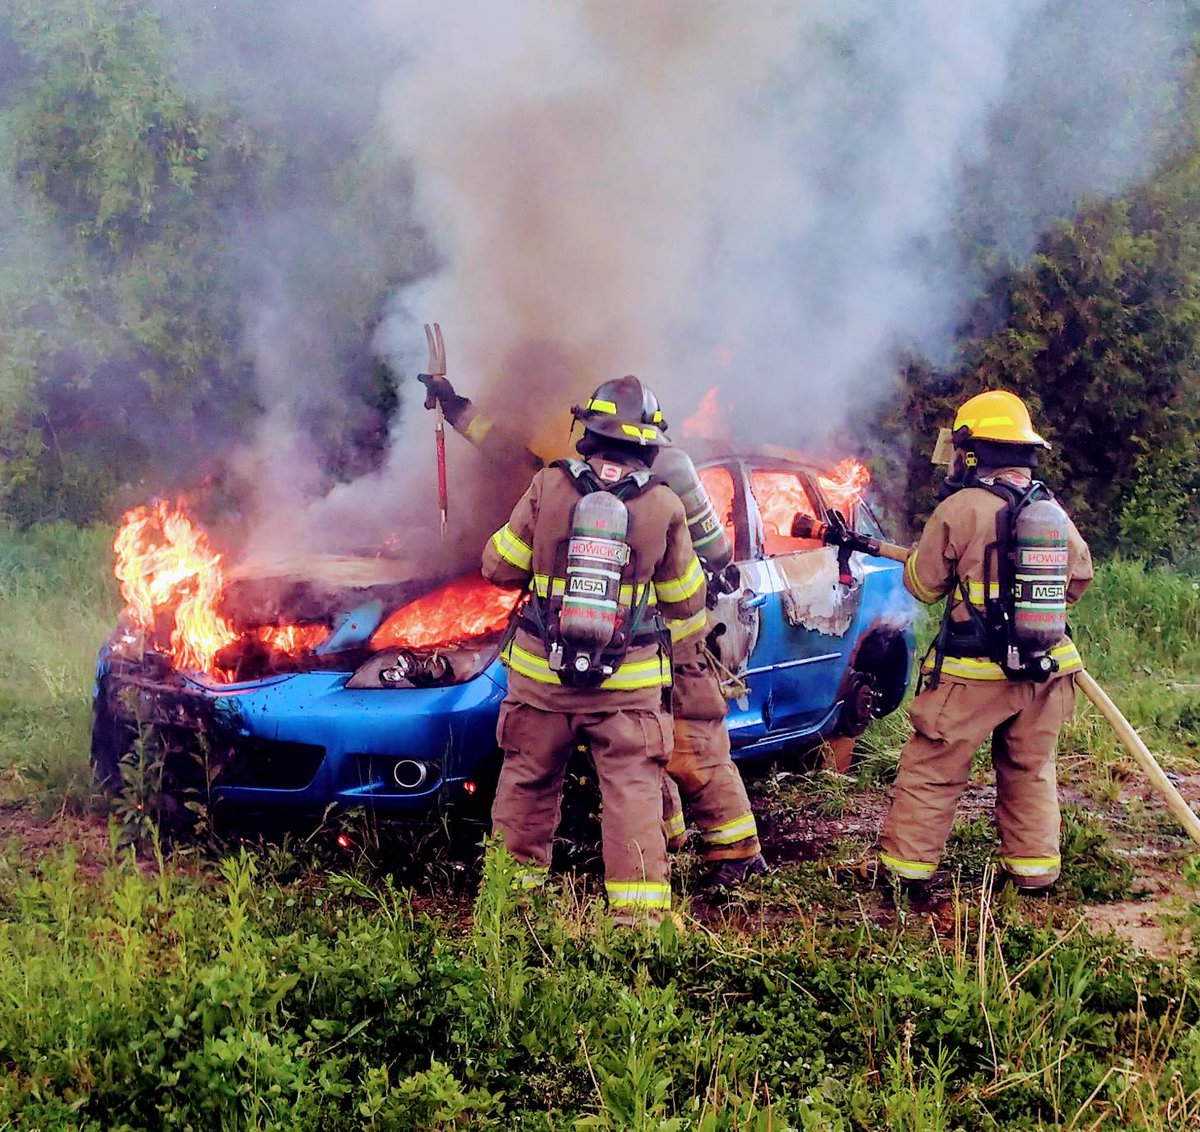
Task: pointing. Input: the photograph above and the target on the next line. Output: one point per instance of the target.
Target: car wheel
(861, 702)
(111, 739)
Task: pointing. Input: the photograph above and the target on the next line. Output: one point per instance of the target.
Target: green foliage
(1101, 340)
(57, 604)
(1090, 867)
(135, 256)
(265, 991)
(146, 997)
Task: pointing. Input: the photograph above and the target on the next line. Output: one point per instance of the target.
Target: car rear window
(780, 497)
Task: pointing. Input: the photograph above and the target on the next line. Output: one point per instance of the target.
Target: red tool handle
(440, 441)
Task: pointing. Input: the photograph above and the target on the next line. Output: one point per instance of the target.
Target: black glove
(722, 582)
(438, 388)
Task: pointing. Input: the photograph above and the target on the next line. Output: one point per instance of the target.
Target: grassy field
(289, 986)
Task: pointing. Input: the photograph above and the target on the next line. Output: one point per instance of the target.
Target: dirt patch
(34, 836)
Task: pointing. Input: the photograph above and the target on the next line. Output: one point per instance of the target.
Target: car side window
(780, 497)
(718, 482)
(866, 522)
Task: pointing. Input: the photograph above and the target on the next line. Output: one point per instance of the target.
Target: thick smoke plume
(766, 198)
(769, 198)
(756, 196)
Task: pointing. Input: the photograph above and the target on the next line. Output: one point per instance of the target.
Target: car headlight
(425, 668)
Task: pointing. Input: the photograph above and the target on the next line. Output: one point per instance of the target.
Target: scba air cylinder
(708, 535)
(596, 554)
(1040, 613)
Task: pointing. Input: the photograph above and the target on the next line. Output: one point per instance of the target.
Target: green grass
(57, 603)
(150, 998)
(262, 991)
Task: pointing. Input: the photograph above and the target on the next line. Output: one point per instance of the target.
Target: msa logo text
(587, 587)
(1045, 592)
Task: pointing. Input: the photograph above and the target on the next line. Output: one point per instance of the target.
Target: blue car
(815, 646)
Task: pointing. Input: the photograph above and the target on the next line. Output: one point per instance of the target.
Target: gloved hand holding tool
(837, 533)
(434, 380)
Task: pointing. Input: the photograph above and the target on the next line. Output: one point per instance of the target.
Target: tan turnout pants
(629, 748)
(701, 774)
(949, 723)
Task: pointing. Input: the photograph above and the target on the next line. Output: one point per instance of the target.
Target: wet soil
(818, 841)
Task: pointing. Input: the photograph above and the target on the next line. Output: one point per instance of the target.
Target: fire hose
(835, 532)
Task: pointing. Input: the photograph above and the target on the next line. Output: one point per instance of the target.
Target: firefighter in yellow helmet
(1007, 560)
(701, 775)
(602, 548)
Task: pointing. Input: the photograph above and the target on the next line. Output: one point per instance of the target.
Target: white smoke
(766, 197)
(760, 196)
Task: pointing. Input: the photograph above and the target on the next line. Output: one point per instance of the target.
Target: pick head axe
(437, 367)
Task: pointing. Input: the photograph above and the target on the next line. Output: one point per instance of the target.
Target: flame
(710, 421)
(166, 565)
(843, 487)
(718, 483)
(291, 639)
(170, 576)
(467, 607)
(780, 497)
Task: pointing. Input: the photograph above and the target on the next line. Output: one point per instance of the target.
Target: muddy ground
(817, 835)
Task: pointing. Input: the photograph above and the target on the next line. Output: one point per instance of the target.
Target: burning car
(355, 681)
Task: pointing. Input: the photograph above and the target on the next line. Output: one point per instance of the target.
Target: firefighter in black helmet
(701, 767)
(602, 547)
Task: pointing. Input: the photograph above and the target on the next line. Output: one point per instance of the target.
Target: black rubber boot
(729, 874)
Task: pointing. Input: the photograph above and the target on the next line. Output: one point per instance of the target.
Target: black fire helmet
(625, 410)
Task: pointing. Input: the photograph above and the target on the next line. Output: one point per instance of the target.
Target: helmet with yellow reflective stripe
(624, 409)
(996, 415)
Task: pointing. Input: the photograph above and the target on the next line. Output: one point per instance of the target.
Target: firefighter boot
(729, 874)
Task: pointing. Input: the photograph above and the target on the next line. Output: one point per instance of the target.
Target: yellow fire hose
(1132, 742)
(1129, 738)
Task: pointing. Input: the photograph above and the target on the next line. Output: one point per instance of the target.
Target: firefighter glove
(438, 388)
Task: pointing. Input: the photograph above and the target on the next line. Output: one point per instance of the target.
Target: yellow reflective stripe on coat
(916, 587)
(737, 829)
(477, 428)
(1031, 866)
(683, 627)
(529, 664)
(980, 668)
(909, 870)
(544, 586)
(638, 893)
(512, 549)
(976, 594)
(687, 585)
(652, 673)
(676, 826)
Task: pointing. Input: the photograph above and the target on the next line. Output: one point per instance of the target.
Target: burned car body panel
(823, 659)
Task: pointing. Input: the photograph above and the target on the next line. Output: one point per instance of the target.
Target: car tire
(110, 741)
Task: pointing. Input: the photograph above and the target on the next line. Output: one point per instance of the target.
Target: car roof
(715, 451)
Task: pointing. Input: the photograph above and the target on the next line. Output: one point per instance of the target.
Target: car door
(803, 646)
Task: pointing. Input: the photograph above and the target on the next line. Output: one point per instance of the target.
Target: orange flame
(467, 607)
(843, 487)
(291, 639)
(718, 483)
(165, 564)
(169, 573)
(710, 421)
(780, 497)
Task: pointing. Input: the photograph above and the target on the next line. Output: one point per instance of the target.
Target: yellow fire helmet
(997, 415)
